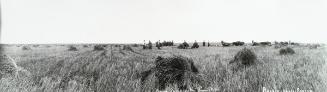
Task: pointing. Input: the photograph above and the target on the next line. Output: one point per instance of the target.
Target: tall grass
(87, 70)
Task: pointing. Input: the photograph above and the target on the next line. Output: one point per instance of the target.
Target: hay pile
(245, 57)
(195, 45)
(175, 70)
(26, 48)
(147, 46)
(238, 43)
(225, 44)
(184, 45)
(286, 51)
(72, 48)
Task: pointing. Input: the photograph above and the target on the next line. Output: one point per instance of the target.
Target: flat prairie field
(61, 68)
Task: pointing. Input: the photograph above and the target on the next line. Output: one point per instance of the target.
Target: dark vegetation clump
(36, 46)
(286, 51)
(265, 43)
(99, 47)
(85, 46)
(150, 45)
(117, 45)
(144, 46)
(168, 43)
(284, 43)
(225, 44)
(245, 57)
(184, 45)
(26, 48)
(181, 46)
(1, 48)
(147, 46)
(195, 45)
(72, 48)
(238, 43)
(176, 70)
(128, 48)
(104, 45)
(294, 43)
(255, 43)
(158, 44)
(135, 45)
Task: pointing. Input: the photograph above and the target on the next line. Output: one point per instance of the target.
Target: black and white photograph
(163, 46)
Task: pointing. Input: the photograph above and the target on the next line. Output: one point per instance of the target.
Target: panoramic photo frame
(163, 46)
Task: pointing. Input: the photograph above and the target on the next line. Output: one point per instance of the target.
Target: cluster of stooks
(185, 45)
(99, 47)
(147, 46)
(177, 70)
(164, 43)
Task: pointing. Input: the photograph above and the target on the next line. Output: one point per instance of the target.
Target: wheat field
(54, 68)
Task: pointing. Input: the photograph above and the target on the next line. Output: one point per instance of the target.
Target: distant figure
(204, 44)
(158, 44)
(150, 45)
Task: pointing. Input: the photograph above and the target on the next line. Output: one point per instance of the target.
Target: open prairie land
(55, 68)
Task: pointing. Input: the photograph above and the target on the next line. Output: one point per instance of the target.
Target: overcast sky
(126, 21)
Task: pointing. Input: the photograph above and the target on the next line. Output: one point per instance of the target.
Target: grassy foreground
(55, 69)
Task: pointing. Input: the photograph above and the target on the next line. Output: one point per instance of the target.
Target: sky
(132, 21)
